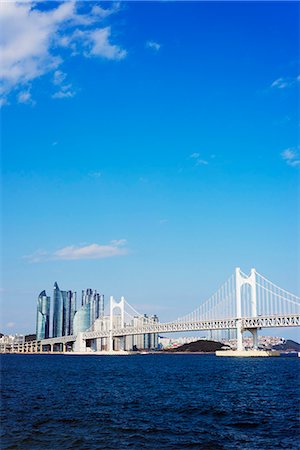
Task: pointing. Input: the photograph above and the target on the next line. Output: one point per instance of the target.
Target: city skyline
(151, 156)
(63, 315)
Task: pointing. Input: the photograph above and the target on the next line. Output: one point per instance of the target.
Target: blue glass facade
(43, 316)
(69, 310)
(57, 312)
(92, 307)
(82, 319)
(64, 308)
(95, 302)
(65, 320)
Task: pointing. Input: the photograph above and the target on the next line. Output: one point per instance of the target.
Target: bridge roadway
(173, 327)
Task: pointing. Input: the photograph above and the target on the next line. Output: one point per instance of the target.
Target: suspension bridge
(243, 303)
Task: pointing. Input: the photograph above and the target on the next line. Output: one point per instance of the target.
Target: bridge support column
(255, 337)
(239, 336)
(110, 342)
(80, 344)
(98, 344)
(122, 343)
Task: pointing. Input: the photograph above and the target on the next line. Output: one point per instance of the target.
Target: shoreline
(227, 353)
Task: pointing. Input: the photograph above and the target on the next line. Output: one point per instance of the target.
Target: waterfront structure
(151, 339)
(69, 310)
(147, 341)
(242, 303)
(92, 307)
(95, 302)
(10, 342)
(64, 308)
(43, 316)
(82, 319)
(58, 302)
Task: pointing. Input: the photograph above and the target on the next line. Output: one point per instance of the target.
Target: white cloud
(10, 324)
(283, 83)
(64, 92)
(59, 77)
(73, 252)
(280, 83)
(37, 256)
(99, 44)
(153, 45)
(30, 41)
(198, 161)
(25, 97)
(291, 156)
(96, 174)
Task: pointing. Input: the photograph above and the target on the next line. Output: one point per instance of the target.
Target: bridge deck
(173, 327)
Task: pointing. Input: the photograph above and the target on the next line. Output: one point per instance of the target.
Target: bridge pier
(80, 344)
(122, 343)
(255, 337)
(98, 345)
(111, 342)
(239, 336)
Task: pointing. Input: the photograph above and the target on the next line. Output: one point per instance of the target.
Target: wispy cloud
(65, 90)
(78, 252)
(31, 40)
(96, 174)
(155, 46)
(284, 82)
(291, 156)
(198, 160)
(25, 97)
(99, 44)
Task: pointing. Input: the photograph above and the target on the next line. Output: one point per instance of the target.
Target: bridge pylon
(113, 304)
(241, 280)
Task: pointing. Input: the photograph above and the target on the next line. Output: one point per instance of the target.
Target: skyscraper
(64, 308)
(92, 307)
(69, 309)
(43, 316)
(82, 319)
(58, 303)
(73, 307)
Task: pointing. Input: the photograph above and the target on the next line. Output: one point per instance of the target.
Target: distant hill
(288, 345)
(202, 345)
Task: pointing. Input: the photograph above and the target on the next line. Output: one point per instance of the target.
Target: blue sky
(147, 150)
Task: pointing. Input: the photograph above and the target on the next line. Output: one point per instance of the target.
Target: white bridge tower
(113, 305)
(241, 280)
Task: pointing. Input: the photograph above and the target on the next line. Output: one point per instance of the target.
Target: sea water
(149, 402)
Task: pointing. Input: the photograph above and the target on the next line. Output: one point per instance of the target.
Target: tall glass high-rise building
(58, 303)
(82, 319)
(96, 303)
(92, 307)
(69, 310)
(64, 308)
(43, 316)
